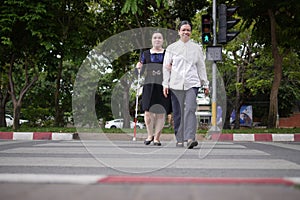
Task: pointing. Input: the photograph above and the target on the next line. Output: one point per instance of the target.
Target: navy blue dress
(153, 99)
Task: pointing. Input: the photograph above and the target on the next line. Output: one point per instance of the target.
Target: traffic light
(206, 29)
(226, 22)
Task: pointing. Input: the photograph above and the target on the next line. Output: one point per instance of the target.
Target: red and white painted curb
(267, 137)
(106, 179)
(35, 136)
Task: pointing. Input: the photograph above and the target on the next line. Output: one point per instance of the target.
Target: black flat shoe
(157, 143)
(147, 142)
(192, 144)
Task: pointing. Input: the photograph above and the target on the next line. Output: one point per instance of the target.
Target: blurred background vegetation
(43, 43)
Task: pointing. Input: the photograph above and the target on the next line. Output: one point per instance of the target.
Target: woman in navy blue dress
(154, 104)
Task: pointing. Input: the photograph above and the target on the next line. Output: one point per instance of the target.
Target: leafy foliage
(50, 39)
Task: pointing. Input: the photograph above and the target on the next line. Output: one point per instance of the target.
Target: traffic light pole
(214, 128)
(214, 15)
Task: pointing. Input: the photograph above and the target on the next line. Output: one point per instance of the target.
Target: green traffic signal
(206, 29)
(206, 38)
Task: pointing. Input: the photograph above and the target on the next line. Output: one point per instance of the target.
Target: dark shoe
(191, 144)
(179, 144)
(157, 143)
(147, 142)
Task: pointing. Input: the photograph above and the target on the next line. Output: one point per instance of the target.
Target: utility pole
(214, 53)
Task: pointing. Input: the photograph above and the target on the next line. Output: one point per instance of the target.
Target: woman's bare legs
(149, 121)
(159, 124)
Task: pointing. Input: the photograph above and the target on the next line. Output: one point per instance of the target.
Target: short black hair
(185, 22)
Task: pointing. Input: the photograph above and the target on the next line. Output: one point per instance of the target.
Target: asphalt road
(84, 169)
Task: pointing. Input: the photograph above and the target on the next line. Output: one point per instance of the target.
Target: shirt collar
(184, 43)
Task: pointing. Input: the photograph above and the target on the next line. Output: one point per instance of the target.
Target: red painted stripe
(148, 179)
(263, 137)
(6, 135)
(297, 137)
(42, 135)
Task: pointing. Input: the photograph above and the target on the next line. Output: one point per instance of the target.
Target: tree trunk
(58, 113)
(16, 115)
(2, 117)
(13, 94)
(229, 109)
(125, 107)
(273, 109)
(237, 99)
(17, 103)
(4, 97)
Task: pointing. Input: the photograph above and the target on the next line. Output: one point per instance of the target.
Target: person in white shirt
(184, 72)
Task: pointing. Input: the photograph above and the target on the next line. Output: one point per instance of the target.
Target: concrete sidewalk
(36, 187)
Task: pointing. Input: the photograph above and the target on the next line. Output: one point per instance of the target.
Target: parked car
(118, 123)
(10, 120)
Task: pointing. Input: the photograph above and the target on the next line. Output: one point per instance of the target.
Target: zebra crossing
(132, 158)
(123, 169)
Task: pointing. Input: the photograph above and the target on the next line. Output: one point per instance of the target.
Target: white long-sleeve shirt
(188, 66)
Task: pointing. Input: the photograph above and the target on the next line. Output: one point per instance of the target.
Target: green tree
(276, 25)
(289, 91)
(4, 95)
(69, 31)
(43, 36)
(238, 68)
(163, 13)
(23, 50)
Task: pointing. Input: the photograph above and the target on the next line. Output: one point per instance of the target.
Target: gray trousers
(184, 106)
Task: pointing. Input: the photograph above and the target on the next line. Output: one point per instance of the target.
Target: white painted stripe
(283, 145)
(150, 163)
(282, 137)
(295, 180)
(62, 136)
(22, 135)
(49, 161)
(116, 151)
(51, 178)
(3, 142)
(243, 137)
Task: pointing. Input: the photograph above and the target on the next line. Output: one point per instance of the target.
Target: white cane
(136, 106)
